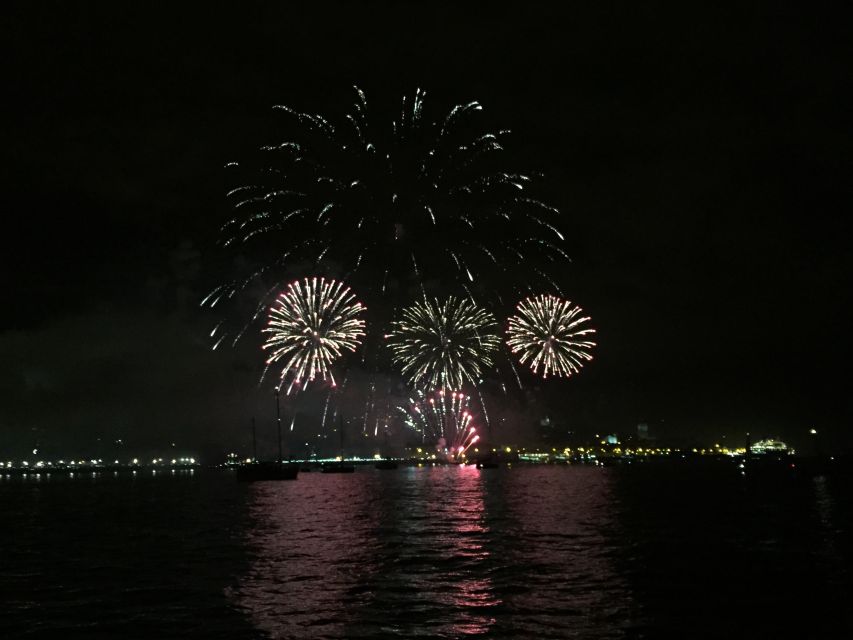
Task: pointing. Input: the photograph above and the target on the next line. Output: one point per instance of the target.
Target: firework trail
(551, 334)
(446, 344)
(309, 326)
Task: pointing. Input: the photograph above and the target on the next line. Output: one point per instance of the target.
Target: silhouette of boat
(487, 464)
(257, 471)
(385, 463)
(340, 466)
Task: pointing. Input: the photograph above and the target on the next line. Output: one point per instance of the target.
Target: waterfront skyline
(700, 183)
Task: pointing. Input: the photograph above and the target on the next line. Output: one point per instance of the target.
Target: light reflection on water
(672, 551)
(442, 552)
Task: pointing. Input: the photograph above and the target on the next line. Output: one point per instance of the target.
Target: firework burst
(442, 418)
(550, 334)
(391, 203)
(440, 345)
(310, 325)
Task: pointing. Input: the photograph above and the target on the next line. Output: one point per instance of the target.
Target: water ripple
(434, 552)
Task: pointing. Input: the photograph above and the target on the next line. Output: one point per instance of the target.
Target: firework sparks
(442, 418)
(310, 325)
(413, 199)
(440, 345)
(551, 334)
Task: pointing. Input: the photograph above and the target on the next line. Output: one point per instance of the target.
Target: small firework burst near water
(442, 418)
(440, 345)
(550, 334)
(310, 325)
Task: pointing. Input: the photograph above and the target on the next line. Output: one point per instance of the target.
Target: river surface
(445, 552)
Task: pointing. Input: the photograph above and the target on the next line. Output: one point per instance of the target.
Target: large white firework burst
(550, 334)
(394, 200)
(310, 325)
(443, 344)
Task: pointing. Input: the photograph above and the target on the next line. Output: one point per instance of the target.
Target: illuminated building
(770, 446)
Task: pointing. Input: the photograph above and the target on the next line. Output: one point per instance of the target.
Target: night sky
(700, 161)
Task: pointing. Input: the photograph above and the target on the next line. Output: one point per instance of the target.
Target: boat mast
(254, 442)
(278, 422)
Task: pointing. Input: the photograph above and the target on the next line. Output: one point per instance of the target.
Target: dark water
(528, 552)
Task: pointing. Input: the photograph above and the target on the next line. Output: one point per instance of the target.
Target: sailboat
(386, 464)
(339, 466)
(275, 470)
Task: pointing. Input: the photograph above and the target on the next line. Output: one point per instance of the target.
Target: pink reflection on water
(471, 595)
(445, 552)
